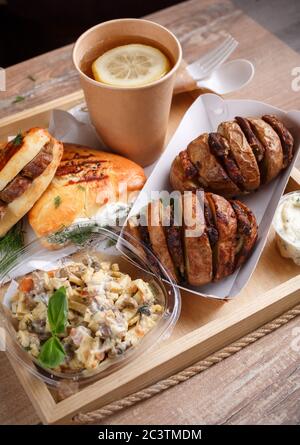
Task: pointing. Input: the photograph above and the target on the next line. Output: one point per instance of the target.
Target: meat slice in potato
(178, 180)
(286, 139)
(220, 148)
(158, 239)
(211, 174)
(226, 224)
(253, 141)
(242, 154)
(198, 253)
(190, 171)
(273, 159)
(145, 238)
(246, 232)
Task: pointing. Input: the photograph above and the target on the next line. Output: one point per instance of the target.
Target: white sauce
(287, 226)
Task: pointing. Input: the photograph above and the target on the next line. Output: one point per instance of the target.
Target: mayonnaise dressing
(287, 226)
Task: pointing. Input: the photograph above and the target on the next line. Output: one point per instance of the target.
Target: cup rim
(116, 87)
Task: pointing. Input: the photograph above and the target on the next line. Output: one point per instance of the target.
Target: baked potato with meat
(241, 156)
(198, 237)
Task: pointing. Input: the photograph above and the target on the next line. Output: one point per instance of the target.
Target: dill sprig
(17, 140)
(10, 245)
(57, 201)
(18, 99)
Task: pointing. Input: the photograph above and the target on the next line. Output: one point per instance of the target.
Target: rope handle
(182, 376)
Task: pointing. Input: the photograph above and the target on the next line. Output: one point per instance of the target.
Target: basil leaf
(58, 311)
(52, 353)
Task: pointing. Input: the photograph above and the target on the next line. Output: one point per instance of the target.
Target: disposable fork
(203, 67)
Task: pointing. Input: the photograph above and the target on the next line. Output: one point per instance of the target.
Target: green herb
(18, 99)
(144, 310)
(17, 140)
(81, 188)
(57, 201)
(30, 77)
(52, 352)
(78, 235)
(10, 246)
(58, 311)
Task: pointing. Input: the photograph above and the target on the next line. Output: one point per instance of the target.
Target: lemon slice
(130, 65)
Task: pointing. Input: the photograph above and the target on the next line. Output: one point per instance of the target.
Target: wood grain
(259, 384)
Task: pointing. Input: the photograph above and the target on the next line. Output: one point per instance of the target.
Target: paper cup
(131, 121)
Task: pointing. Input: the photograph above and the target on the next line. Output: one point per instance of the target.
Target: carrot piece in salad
(26, 284)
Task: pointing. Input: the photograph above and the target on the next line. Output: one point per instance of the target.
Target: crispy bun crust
(86, 179)
(21, 205)
(32, 143)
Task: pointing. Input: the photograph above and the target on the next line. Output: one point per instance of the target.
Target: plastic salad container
(71, 245)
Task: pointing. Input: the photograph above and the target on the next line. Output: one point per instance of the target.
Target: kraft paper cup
(132, 121)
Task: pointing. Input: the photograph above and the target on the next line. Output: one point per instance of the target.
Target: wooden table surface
(261, 383)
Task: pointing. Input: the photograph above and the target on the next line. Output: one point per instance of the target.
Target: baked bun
(237, 159)
(85, 181)
(27, 166)
(207, 241)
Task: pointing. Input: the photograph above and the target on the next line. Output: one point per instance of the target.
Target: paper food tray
(204, 115)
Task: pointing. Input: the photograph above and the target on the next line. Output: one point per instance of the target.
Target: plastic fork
(203, 67)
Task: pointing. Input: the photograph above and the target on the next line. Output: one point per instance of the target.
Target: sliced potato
(273, 159)
(286, 139)
(219, 146)
(178, 180)
(242, 154)
(158, 238)
(246, 231)
(211, 174)
(133, 230)
(198, 253)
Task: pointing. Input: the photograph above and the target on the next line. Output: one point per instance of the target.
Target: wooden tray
(204, 326)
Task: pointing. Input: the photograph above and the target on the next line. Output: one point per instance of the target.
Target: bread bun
(85, 181)
(28, 169)
(14, 157)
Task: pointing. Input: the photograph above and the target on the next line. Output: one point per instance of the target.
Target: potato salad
(79, 316)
